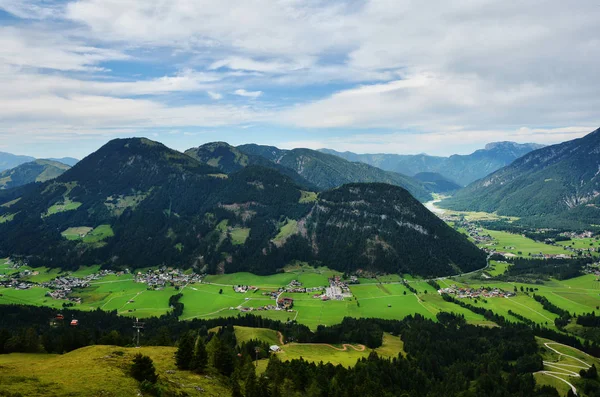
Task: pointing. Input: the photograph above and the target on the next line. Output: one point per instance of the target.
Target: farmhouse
(285, 303)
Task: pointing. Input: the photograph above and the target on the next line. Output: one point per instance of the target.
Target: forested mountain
(556, 181)
(8, 160)
(34, 171)
(462, 169)
(437, 182)
(150, 205)
(328, 171)
(229, 159)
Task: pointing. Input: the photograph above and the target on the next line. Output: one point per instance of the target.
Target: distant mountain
(8, 160)
(328, 171)
(136, 203)
(556, 181)
(437, 182)
(462, 169)
(229, 159)
(70, 161)
(34, 171)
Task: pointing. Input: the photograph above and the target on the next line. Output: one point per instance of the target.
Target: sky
(369, 76)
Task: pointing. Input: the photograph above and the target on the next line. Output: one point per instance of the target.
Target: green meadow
(522, 246)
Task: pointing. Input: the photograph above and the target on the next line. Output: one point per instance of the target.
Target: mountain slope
(229, 159)
(463, 169)
(8, 160)
(34, 171)
(70, 161)
(150, 206)
(560, 180)
(437, 183)
(328, 171)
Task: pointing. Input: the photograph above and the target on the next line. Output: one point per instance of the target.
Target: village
(166, 276)
(482, 292)
(338, 289)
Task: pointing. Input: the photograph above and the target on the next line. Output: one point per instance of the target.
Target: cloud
(52, 50)
(435, 143)
(249, 94)
(214, 95)
(443, 72)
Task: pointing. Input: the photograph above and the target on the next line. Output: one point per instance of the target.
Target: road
(560, 370)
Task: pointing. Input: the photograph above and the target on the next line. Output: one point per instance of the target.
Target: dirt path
(559, 370)
(345, 346)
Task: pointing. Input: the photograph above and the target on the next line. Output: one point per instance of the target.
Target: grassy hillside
(34, 171)
(97, 371)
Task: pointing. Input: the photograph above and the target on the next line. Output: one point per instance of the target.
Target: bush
(143, 369)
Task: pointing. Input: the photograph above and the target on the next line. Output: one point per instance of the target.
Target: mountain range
(462, 169)
(555, 182)
(9, 160)
(320, 170)
(33, 171)
(136, 203)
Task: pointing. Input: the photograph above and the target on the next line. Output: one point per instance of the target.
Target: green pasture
(581, 243)
(239, 235)
(290, 227)
(515, 243)
(497, 268)
(67, 205)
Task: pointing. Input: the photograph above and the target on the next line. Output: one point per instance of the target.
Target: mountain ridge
(462, 169)
(157, 206)
(561, 180)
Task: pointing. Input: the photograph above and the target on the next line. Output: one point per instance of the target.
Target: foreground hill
(34, 171)
(463, 169)
(98, 371)
(327, 171)
(561, 180)
(137, 203)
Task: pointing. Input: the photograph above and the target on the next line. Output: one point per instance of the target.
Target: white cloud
(214, 95)
(465, 71)
(436, 143)
(249, 94)
(46, 49)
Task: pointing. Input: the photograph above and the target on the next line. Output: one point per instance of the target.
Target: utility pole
(257, 350)
(138, 326)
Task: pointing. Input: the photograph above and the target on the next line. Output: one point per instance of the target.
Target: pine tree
(143, 369)
(200, 359)
(185, 351)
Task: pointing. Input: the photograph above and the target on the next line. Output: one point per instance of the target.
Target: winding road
(559, 370)
(345, 346)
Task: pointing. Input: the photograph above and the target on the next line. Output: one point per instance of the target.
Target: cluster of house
(465, 292)
(14, 283)
(62, 287)
(296, 286)
(166, 276)
(242, 289)
(338, 289)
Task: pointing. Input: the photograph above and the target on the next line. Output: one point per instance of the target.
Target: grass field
(7, 218)
(519, 245)
(239, 235)
(97, 371)
(67, 205)
(497, 268)
(289, 228)
(581, 243)
(391, 347)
